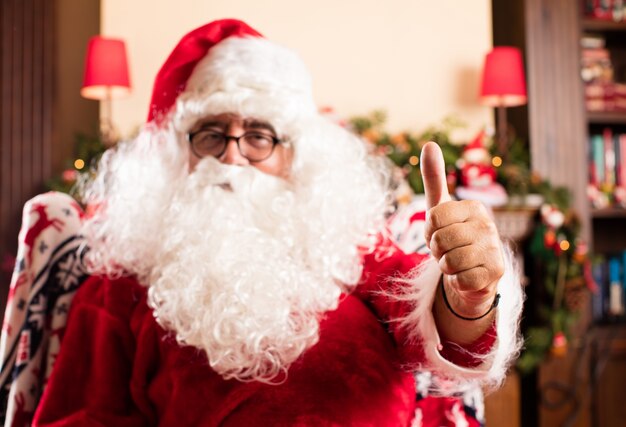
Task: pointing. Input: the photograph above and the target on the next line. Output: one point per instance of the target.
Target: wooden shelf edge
(590, 24)
(606, 117)
(608, 213)
(612, 325)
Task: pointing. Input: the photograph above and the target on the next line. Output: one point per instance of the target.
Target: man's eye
(211, 137)
(258, 139)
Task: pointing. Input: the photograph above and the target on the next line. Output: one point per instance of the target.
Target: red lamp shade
(503, 83)
(106, 69)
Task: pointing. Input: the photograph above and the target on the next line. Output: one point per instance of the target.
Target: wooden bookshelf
(557, 127)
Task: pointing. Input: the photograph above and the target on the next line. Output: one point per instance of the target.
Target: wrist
(474, 307)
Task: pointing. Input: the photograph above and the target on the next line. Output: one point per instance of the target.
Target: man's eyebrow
(258, 124)
(212, 123)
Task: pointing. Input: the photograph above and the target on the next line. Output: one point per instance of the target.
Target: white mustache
(210, 171)
(210, 175)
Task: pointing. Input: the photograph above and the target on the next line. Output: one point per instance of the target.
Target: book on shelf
(598, 298)
(605, 10)
(609, 158)
(616, 294)
(602, 92)
(620, 160)
(592, 41)
(605, 97)
(607, 169)
(608, 302)
(596, 65)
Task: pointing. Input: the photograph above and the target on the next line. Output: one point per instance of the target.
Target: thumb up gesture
(463, 238)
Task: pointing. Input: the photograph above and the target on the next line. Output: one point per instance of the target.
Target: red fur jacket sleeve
(386, 273)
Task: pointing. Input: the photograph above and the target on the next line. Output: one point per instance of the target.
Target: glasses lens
(256, 146)
(208, 143)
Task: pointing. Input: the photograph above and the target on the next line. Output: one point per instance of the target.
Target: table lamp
(503, 85)
(105, 78)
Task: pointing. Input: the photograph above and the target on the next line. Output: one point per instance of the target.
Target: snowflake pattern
(39, 309)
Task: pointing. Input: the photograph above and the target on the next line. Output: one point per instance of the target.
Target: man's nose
(232, 155)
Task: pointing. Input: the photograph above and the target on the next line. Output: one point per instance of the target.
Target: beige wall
(418, 59)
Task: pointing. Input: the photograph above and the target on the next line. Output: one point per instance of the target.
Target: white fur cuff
(451, 378)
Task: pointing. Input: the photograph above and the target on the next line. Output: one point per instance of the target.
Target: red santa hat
(477, 142)
(227, 66)
(475, 151)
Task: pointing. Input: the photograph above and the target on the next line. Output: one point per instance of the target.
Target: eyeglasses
(254, 146)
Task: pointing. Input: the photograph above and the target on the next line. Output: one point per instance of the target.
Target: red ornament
(69, 176)
(549, 238)
(559, 345)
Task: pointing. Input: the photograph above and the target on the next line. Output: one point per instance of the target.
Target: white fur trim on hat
(249, 76)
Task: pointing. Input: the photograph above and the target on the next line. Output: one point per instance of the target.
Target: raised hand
(463, 238)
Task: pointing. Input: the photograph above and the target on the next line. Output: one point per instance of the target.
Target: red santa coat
(118, 367)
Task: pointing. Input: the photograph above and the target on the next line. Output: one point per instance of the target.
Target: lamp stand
(107, 130)
(502, 132)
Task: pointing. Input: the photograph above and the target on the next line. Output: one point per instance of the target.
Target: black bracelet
(494, 304)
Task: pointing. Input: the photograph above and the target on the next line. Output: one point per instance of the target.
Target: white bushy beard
(232, 278)
(238, 263)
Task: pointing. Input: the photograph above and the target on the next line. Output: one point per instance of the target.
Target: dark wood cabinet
(608, 375)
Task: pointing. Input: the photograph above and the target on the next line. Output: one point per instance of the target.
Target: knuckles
(452, 262)
(487, 258)
(476, 208)
(438, 244)
(472, 211)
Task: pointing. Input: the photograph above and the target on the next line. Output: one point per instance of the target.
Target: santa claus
(241, 275)
(478, 175)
